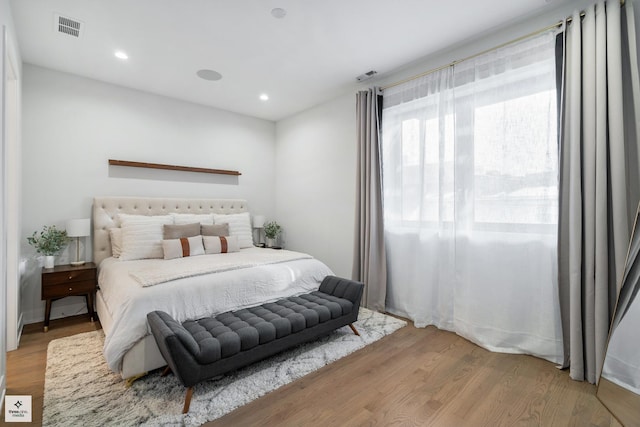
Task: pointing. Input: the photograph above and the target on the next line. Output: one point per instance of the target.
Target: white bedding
(194, 297)
(156, 271)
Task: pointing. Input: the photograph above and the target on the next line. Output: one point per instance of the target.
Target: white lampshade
(78, 227)
(258, 221)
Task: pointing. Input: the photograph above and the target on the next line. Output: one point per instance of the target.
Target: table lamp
(78, 228)
(258, 222)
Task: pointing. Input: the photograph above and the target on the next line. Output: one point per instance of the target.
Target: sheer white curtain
(470, 179)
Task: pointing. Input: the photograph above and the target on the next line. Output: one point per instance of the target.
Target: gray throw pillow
(215, 230)
(172, 231)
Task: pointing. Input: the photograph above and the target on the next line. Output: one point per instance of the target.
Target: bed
(186, 288)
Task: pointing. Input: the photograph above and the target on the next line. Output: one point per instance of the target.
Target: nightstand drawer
(60, 277)
(68, 289)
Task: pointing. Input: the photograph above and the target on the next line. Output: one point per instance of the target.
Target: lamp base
(76, 263)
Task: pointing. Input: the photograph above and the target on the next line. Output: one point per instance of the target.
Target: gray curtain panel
(370, 265)
(598, 177)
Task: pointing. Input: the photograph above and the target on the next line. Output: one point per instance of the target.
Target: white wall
(9, 188)
(73, 125)
(489, 40)
(315, 182)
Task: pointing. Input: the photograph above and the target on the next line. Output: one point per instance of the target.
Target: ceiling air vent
(66, 25)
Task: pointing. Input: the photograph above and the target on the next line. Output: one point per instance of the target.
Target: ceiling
(311, 55)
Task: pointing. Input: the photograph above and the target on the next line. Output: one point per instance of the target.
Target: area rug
(81, 390)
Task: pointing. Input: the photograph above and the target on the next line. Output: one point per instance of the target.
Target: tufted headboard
(105, 210)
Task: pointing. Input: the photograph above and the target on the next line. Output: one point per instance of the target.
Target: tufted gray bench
(197, 350)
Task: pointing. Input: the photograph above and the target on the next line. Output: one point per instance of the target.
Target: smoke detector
(69, 26)
(366, 76)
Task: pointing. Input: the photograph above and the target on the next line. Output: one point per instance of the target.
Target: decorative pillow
(116, 241)
(184, 247)
(121, 217)
(142, 236)
(206, 219)
(220, 244)
(239, 225)
(173, 231)
(215, 230)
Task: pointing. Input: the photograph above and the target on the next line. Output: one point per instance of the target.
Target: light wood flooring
(27, 364)
(414, 377)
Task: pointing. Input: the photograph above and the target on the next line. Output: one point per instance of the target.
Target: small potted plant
(271, 231)
(49, 243)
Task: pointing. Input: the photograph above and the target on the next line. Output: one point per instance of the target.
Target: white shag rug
(80, 389)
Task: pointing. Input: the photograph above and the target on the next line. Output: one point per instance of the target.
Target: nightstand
(65, 281)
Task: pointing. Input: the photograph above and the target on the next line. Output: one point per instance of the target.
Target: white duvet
(194, 297)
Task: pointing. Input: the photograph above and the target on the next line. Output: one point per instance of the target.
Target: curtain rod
(568, 20)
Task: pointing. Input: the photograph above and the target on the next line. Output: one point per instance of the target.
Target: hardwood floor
(418, 377)
(414, 377)
(27, 364)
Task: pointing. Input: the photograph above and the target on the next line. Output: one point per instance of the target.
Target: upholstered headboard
(105, 210)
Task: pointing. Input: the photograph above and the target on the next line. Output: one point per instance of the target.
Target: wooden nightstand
(67, 280)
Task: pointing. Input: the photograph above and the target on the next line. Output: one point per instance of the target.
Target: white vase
(49, 261)
(271, 242)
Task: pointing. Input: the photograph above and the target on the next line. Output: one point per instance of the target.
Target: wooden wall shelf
(171, 167)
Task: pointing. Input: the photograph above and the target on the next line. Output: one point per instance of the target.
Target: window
(475, 143)
(516, 161)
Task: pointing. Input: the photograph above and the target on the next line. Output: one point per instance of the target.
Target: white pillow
(220, 244)
(142, 236)
(204, 219)
(121, 217)
(239, 226)
(184, 247)
(116, 241)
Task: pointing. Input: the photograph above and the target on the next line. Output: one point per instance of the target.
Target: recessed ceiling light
(120, 54)
(209, 75)
(264, 97)
(278, 12)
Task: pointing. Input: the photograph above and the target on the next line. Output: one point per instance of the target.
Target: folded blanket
(166, 270)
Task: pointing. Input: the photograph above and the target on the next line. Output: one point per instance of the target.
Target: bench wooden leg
(187, 400)
(166, 371)
(353, 328)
